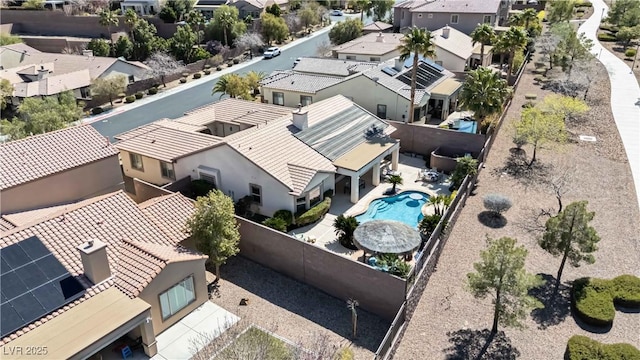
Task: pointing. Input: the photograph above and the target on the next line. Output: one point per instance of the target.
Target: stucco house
(464, 15)
(374, 47)
(142, 7)
(380, 88)
(92, 272)
(456, 51)
(377, 27)
(208, 7)
(255, 8)
(286, 160)
(56, 168)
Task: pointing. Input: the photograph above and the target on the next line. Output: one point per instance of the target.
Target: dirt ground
(449, 322)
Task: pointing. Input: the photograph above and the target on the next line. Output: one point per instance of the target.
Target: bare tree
(162, 65)
(293, 23)
(324, 49)
(548, 44)
(249, 41)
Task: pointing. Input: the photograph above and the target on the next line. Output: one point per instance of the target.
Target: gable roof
(233, 111)
(371, 39)
(52, 84)
(458, 6)
(457, 43)
(169, 213)
(377, 26)
(137, 249)
(42, 155)
(332, 66)
(299, 82)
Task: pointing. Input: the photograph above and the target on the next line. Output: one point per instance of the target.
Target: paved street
(183, 99)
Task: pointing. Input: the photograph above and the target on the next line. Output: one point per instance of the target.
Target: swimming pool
(399, 207)
(468, 126)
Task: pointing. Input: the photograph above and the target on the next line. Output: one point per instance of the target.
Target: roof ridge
(157, 199)
(140, 246)
(37, 136)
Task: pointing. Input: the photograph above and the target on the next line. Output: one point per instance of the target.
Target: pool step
(384, 206)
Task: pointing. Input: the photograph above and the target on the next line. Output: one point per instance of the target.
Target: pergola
(386, 237)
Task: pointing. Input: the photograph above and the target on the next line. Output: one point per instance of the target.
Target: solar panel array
(34, 284)
(426, 75)
(389, 70)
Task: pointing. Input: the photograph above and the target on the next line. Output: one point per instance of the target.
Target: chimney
(94, 260)
(445, 31)
(42, 73)
(87, 52)
(399, 64)
(300, 118)
(380, 37)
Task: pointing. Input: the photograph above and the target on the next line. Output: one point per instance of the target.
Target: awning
(363, 154)
(76, 332)
(446, 88)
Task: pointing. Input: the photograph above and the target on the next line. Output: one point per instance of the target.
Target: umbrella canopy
(386, 236)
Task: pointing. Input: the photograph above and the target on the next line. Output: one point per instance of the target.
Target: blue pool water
(399, 207)
(468, 126)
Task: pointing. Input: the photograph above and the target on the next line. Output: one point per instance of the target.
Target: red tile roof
(42, 155)
(169, 213)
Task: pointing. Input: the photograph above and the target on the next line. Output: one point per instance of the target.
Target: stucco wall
(376, 291)
(466, 22)
(56, 23)
(424, 139)
(122, 68)
(150, 169)
(361, 57)
(90, 180)
(450, 61)
(168, 277)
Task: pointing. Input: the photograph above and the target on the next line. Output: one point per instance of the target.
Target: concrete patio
(323, 231)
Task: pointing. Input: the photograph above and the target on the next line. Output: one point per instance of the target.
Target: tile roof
(234, 111)
(369, 48)
(5, 225)
(42, 155)
(136, 246)
(408, 4)
(331, 66)
(169, 213)
(457, 43)
(371, 38)
(459, 6)
(377, 26)
(50, 85)
(304, 83)
(26, 217)
(164, 143)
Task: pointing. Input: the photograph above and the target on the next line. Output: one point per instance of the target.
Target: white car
(336, 12)
(271, 52)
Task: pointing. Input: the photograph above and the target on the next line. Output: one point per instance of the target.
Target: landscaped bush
(236, 61)
(230, 64)
(580, 4)
(606, 37)
(207, 67)
(242, 206)
(276, 223)
(315, 213)
(207, 71)
(152, 91)
(344, 227)
(497, 203)
(285, 215)
(464, 166)
(218, 68)
(594, 299)
(394, 265)
(201, 187)
(97, 110)
(129, 99)
(630, 53)
(197, 76)
(139, 95)
(583, 348)
(428, 224)
(609, 27)
(185, 74)
(183, 80)
(328, 193)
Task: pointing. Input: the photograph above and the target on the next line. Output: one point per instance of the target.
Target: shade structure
(386, 236)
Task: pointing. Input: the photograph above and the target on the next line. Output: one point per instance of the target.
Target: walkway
(625, 92)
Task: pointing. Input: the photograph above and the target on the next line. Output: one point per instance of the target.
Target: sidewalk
(625, 93)
(193, 83)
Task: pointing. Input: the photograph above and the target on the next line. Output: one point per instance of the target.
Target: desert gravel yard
(448, 320)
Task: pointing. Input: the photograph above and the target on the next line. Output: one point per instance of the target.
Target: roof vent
(446, 31)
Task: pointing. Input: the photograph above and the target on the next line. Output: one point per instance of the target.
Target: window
(278, 98)
(177, 297)
(314, 195)
(209, 178)
(305, 100)
(136, 161)
(486, 19)
(382, 111)
(374, 58)
(85, 93)
(256, 193)
(131, 79)
(166, 169)
(351, 57)
(301, 204)
(454, 18)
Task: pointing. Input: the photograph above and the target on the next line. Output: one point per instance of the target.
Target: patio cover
(85, 328)
(447, 87)
(363, 154)
(386, 236)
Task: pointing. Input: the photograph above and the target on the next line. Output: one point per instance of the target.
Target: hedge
(580, 4)
(583, 348)
(129, 99)
(594, 299)
(285, 215)
(315, 213)
(276, 223)
(609, 27)
(607, 37)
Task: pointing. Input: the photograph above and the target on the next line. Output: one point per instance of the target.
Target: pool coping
(366, 206)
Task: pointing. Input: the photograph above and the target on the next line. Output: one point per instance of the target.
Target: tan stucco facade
(172, 274)
(93, 179)
(150, 172)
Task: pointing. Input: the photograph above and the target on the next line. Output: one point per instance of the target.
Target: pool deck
(323, 231)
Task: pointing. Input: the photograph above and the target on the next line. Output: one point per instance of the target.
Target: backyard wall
(376, 291)
(423, 140)
(57, 23)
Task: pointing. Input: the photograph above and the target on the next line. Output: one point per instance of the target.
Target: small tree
(569, 234)
(273, 28)
(497, 203)
(253, 79)
(6, 91)
(345, 31)
(324, 49)
(561, 11)
(308, 16)
(395, 180)
(627, 34)
(538, 128)
(464, 166)
(162, 65)
(233, 85)
(214, 229)
(249, 41)
(109, 87)
(274, 10)
(344, 227)
(100, 47)
(566, 107)
(502, 273)
(624, 13)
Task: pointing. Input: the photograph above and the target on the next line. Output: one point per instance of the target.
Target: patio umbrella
(386, 236)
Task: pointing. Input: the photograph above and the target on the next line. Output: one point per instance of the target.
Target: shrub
(276, 223)
(152, 91)
(394, 264)
(168, 15)
(580, 4)
(528, 104)
(583, 348)
(464, 166)
(207, 71)
(497, 203)
(217, 60)
(627, 291)
(242, 205)
(230, 64)
(129, 99)
(428, 224)
(315, 213)
(236, 61)
(606, 37)
(121, 95)
(201, 187)
(139, 95)
(285, 215)
(328, 193)
(594, 299)
(344, 227)
(218, 68)
(609, 27)
(630, 53)
(97, 110)
(197, 75)
(207, 67)
(183, 80)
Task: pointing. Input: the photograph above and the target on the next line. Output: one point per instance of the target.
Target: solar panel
(389, 70)
(34, 283)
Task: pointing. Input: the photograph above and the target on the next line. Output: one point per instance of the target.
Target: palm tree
(395, 180)
(515, 39)
(483, 92)
(108, 18)
(416, 42)
(253, 79)
(363, 6)
(195, 19)
(131, 19)
(227, 20)
(484, 35)
(526, 17)
(233, 85)
(344, 228)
